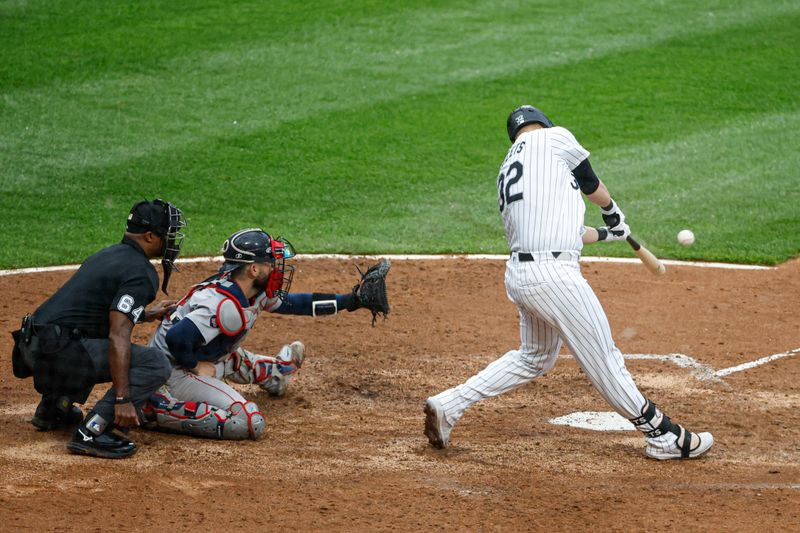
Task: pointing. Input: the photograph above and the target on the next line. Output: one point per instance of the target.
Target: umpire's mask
(166, 221)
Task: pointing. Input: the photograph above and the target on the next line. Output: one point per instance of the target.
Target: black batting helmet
(522, 116)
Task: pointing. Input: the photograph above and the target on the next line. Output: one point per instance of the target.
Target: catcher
(203, 337)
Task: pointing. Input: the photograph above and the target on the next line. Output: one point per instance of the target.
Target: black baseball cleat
(56, 414)
(108, 444)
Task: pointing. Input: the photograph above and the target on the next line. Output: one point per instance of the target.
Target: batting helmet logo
(522, 116)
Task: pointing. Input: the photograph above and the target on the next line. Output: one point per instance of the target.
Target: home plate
(594, 420)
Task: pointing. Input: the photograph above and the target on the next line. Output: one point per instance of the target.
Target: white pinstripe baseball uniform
(543, 213)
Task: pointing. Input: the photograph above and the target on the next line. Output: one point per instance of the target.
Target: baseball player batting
(203, 336)
(539, 193)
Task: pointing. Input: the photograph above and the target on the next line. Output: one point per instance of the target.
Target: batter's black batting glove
(612, 215)
(615, 219)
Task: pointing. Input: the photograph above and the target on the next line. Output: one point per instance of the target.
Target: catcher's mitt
(370, 292)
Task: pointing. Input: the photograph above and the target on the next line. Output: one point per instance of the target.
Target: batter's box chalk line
(611, 421)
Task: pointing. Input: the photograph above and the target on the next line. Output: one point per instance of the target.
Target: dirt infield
(344, 450)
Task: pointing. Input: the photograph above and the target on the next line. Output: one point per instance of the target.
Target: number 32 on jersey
(505, 181)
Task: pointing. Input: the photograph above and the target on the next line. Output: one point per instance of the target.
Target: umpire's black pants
(149, 369)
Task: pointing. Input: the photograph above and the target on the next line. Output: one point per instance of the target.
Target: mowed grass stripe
(412, 174)
(48, 42)
(159, 94)
(594, 103)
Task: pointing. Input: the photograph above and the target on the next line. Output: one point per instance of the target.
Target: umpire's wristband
(122, 399)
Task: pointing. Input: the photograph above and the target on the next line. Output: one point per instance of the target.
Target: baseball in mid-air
(686, 237)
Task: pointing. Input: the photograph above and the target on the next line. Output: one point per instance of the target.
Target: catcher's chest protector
(216, 309)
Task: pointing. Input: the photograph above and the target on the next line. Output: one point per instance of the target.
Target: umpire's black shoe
(60, 413)
(107, 444)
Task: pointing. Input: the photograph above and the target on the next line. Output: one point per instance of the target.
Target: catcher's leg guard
(667, 440)
(241, 421)
(244, 420)
(270, 373)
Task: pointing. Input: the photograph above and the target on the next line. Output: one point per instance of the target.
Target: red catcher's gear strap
(275, 282)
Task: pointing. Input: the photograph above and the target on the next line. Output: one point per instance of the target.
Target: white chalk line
(699, 370)
(612, 421)
(705, 372)
(757, 362)
(404, 257)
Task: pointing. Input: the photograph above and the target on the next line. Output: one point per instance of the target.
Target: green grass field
(378, 127)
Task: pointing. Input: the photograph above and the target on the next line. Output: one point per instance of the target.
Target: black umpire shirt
(117, 278)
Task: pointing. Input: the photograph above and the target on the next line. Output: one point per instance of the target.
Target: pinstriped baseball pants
(556, 305)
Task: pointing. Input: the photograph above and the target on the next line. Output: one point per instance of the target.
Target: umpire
(81, 335)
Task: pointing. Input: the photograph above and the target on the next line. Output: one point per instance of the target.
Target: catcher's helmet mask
(522, 116)
(165, 220)
(254, 245)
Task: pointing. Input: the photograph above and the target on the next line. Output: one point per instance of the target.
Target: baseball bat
(646, 256)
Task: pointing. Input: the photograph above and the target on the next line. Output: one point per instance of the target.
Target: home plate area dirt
(344, 449)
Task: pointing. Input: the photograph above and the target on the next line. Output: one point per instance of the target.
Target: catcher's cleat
(56, 414)
(298, 350)
(290, 359)
(682, 447)
(437, 428)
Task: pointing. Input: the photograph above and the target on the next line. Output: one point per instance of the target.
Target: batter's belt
(527, 257)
